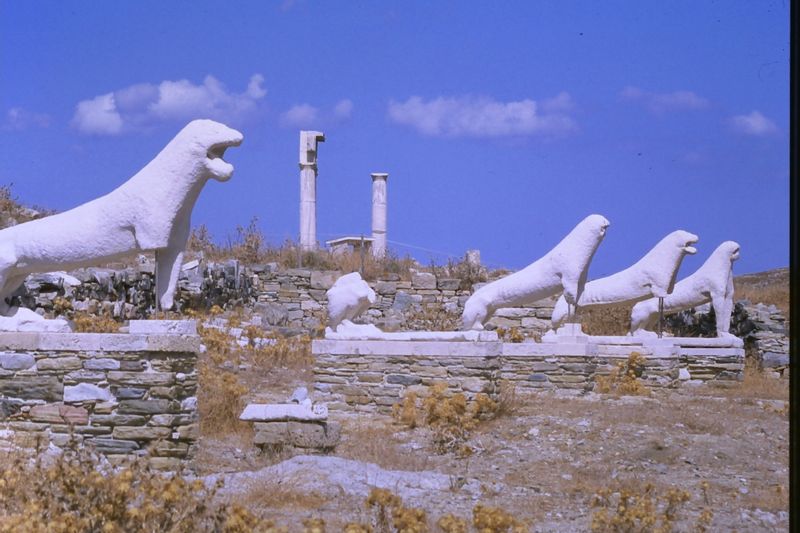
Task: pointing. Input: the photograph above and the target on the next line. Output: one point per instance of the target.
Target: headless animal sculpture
(562, 268)
(712, 282)
(653, 275)
(150, 211)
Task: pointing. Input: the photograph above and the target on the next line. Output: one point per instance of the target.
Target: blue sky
(501, 125)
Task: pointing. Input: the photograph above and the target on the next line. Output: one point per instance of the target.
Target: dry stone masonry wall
(123, 394)
(374, 375)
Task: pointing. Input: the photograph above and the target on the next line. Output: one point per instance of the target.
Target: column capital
(379, 175)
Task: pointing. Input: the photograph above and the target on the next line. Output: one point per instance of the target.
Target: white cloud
(753, 124)
(307, 115)
(467, 116)
(98, 116)
(300, 116)
(664, 102)
(18, 118)
(343, 109)
(561, 102)
(145, 104)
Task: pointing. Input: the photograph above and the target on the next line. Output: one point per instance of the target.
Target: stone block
(423, 280)
(101, 363)
(114, 446)
(165, 448)
(170, 464)
(16, 361)
(59, 364)
(448, 284)
(86, 392)
(775, 360)
(148, 379)
(58, 413)
(475, 385)
(128, 393)
(271, 433)
(310, 305)
(386, 288)
(46, 388)
(145, 407)
(311, 435)
(140, 432)
(188, 432)
(324, 279)
(402, 379)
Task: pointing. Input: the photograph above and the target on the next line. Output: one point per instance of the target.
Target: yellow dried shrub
(624, 378)
(75, 492)
(639, 509)
(496, 520)
(86, 323)
(450, 417)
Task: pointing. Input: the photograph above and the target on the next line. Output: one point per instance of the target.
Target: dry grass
(86, 323)
(755, 384)
(771, 287)
(376, 442)
(77, 492)
(250, 247)
(280, 494)
(433, 317)
(606, 320)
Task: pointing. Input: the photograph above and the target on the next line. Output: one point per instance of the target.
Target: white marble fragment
(150, 211)
(348, 298)
(262, 412)
(299, 394)
(653, 275)
(562, 268)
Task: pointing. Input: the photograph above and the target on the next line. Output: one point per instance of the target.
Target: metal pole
(361, 271)
(660, 317)
(155, 282)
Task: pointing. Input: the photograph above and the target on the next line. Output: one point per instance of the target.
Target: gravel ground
(544, 463)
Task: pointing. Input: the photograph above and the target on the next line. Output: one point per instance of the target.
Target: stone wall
(123, 394)
(374, 375)
(292, 301)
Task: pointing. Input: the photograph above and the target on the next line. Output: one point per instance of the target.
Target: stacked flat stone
(292, 425)
(123, 394)
(372, 376)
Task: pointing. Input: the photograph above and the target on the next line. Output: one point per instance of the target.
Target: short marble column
(379, 214)
(308, 188)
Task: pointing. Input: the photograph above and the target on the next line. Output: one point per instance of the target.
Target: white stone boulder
(348, 298)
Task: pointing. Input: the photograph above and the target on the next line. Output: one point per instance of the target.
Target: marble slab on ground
(163, 327)
(262, 412)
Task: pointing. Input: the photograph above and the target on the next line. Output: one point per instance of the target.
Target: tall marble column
(379, 214)
(308, 188)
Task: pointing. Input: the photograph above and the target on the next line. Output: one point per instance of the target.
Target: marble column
(379, 214)
(308, 188)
